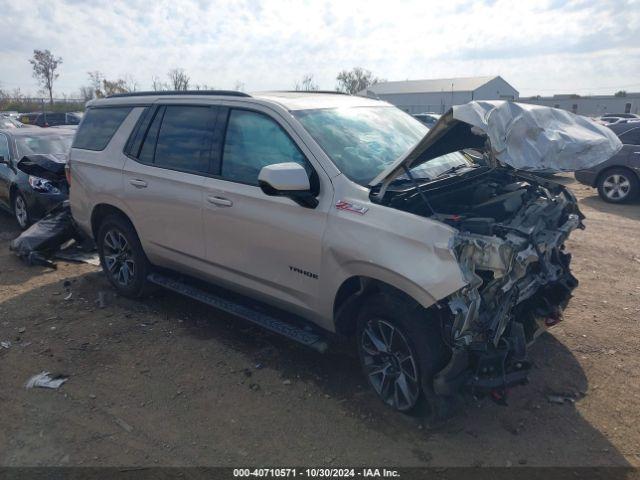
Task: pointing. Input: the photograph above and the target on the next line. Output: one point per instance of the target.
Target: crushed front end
(518, 284)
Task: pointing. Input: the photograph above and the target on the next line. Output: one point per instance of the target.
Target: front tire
(122, 258)
(618, 185)
(400, 350)
(21, 211)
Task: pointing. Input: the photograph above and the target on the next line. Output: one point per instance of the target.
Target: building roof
(464, 84)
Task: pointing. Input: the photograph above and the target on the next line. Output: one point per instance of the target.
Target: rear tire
(21, 211)
(122, 258)
(400, 350)
(618, 185)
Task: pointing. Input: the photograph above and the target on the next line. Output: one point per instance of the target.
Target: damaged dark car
(32, 179)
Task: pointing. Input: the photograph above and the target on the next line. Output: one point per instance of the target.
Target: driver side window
(253, 141)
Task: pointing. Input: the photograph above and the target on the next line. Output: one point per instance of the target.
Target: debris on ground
(44, 240)
(5, 344)
(46, 380)
(102, 299)
(560, 399)
(124, 425)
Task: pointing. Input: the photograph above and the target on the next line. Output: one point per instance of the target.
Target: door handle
(220, 201)
(136, 182)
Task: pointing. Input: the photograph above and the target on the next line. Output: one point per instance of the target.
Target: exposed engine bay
(510, 246)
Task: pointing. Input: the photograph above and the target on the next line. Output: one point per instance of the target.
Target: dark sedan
(30, 197)
(50, 119)
(617, 179)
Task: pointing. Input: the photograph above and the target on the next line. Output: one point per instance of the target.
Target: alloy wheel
(390, 364)
(616, 187)
(118, 258)
(20, 208)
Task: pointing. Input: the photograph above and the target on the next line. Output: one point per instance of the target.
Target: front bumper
(518, 284)
(484, 367)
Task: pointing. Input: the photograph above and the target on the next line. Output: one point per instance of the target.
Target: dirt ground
(167, 381)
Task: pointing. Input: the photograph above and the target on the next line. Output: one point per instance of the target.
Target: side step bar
(264, 320)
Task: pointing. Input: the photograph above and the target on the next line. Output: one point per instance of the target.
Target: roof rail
(229, 93)
(314, 91)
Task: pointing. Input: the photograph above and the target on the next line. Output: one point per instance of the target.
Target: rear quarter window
(98, 126)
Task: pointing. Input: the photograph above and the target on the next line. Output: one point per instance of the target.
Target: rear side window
(178, 138)
(98, 126)
(184, 140)
(632, 137)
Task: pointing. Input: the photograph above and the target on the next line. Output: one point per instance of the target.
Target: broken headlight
(43, 185)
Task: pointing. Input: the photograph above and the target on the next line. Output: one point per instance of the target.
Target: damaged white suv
(316, 214)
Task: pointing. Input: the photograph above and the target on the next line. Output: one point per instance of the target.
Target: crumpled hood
(49, 166)
(525, 137)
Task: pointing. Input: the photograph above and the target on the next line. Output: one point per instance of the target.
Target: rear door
(164, 181)
(269, 246)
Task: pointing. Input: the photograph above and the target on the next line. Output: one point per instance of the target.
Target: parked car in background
(617, 179)
(50, 119)
(324, 214)
(428, 119)
(8, 123)
(617, 118)
(30, 197)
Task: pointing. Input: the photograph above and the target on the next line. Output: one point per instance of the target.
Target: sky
(540, 47)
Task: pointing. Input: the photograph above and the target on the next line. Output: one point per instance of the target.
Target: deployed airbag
(534, 138)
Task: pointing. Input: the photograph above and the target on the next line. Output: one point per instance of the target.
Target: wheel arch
(351, 295)
(616, 167)
(102, 211)
(12, 192)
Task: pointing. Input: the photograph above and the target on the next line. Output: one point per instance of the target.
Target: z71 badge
(351, 207)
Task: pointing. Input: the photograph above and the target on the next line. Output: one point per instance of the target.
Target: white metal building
(590, 105)
(438, 95)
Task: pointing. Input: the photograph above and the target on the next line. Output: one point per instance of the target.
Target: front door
(269, 246)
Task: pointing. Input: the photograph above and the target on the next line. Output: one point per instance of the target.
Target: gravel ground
(166, 381)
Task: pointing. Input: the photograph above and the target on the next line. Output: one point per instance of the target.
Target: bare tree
(130, 84)
(158, 85)
(44, 70)
(353, 81)
(95, 80)
(87, 93)
(178, 79)
(203, 86)
(306, 84)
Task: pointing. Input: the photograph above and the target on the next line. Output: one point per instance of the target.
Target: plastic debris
(5, 344)
(101, 299)
(560, 399)
(46, 380)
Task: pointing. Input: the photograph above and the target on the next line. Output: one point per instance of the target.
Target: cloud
(540, 47)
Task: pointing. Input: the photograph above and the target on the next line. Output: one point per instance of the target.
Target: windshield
(41, 144)
(363, 141)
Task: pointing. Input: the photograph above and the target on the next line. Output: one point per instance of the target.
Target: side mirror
(288, 180)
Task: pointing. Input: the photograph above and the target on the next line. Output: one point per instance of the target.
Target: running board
(262, 319)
